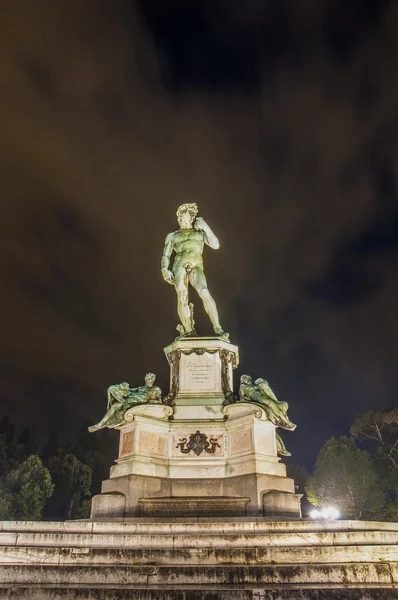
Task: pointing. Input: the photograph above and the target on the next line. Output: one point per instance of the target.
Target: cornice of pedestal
(243, 409)
(190, 344)
(153, 411)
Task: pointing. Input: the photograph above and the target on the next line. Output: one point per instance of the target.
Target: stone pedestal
(201, 371)
(200, 454)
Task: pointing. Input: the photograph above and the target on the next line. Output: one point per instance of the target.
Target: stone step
(256, 555)
(332, 592)
(383, 575)
(201, 559)
(122, 539)
(193, 526)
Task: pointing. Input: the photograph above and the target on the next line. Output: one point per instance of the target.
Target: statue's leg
(281, 448)
(283, 420)
(103, 423)
(198, 281)
(181, 285)
(96, 427)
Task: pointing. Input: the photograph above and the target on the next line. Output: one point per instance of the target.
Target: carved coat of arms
(198, 443)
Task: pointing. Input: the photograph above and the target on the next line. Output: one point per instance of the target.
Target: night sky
(279, 119)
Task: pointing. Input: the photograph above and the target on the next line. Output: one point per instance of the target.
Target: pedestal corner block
(282, 504)
(108, 506)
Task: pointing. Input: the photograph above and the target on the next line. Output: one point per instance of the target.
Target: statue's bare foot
(284, 452)
(188, 334)
(191, 333)
(93, 428)
(222, 334)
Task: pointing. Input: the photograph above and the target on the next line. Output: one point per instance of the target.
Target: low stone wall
(188, 559)
(51, 593)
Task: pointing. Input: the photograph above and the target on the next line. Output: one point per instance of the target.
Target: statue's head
(186, 214)
(124, 388)
(260, 380)
(246, 379)
(150, 379)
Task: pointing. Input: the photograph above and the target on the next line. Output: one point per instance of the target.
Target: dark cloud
(278, 119)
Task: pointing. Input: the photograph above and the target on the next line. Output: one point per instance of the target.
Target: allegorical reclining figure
(260, 393)
(121, 397)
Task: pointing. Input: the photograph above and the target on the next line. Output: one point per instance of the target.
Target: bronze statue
(280, 446)
(188, 244)
(260, 393)
(121, 397)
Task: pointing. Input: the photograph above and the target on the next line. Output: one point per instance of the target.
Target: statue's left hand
(200, 224)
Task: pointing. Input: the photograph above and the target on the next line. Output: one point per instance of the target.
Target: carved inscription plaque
(200, 373)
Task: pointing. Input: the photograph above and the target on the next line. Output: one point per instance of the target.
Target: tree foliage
(98, 452)
(7, 428)
(25, 490)
(52, 445)
(299, 474)
(27, 443)
(7, 446)
(345, 477)
(72, 481)
(70, 474)
(3, 455)
(379, 425)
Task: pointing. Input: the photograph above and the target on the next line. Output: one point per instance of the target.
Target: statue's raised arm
(187, 269)
(209, 237)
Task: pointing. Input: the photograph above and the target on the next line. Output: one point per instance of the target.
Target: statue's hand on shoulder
(168, 276)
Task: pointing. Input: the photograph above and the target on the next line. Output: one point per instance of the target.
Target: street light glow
(328, 512)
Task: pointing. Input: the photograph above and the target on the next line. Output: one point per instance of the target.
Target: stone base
(338, 592)
(282, 504)
(199, 447)
(108, 506)
(199, 559)
(200, 451)
(125, 592)
(264, 495)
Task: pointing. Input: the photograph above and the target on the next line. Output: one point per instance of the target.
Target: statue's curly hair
(192, 208)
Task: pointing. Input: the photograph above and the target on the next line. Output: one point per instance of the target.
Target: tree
(72, 481)
(380, 425)
(25, 490)
(3, 455)
(7, 428)
(345, 477)
(7, 446)
(388, 481)
(98, 451)
(299, 474)
(52, 445)
(27, 443)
